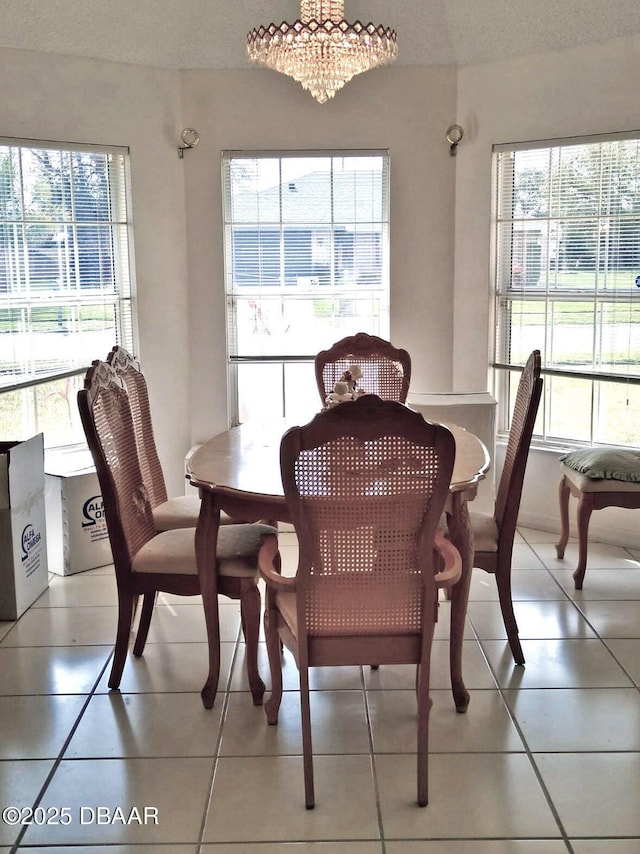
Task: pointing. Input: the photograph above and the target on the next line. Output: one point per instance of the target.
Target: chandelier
(321, 50)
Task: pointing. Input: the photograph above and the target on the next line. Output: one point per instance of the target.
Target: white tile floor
(547, 759)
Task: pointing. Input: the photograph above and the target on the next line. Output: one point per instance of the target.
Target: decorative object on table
(386, 370)
(598, 478)
(351, 377)
(346, 388)
(371, 556)
(493, 534)
(321, 50)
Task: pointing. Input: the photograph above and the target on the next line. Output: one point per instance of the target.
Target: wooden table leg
(563, 497)
(205, 542)
(462, 538)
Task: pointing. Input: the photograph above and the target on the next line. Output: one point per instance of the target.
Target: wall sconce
(190, 139)
(454, 135)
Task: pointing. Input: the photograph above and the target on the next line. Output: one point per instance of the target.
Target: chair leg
(243, 622)
(503, 581)
(307, 749)
(148, 604)
(274, 651)
(563, 498)
(126, 605)
(585, 508)
(250, 607)
(424, 708)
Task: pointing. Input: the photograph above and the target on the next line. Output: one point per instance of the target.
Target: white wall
(49, 97)
(406, 110)
(584, 91)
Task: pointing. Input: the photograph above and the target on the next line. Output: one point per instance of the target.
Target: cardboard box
(476, 412)
(77, 534)
(23, 537)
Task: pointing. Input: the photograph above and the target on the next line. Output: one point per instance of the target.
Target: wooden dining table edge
(243, 506)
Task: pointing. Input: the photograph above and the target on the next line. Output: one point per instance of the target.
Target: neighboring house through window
(306, 263)
(566, 267)
(65, 279)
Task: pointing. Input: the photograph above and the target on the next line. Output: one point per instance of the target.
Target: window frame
(289, 362)
(505, 295)
(78, 291)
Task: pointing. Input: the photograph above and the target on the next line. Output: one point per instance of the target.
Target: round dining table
(238, 471)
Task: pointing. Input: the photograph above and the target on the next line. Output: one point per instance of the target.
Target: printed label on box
(93, 519)
(31, 552)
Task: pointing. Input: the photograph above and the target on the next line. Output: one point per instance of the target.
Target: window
(65, 283)
(306, 263)
(567, 281)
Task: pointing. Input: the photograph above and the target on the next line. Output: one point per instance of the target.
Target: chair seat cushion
(169, 552)
(589, 484)
(174, 551)
(605, 464)
(238, 547)
(485, 532)
(181, 512)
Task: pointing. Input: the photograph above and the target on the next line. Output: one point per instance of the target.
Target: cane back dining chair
(147, 561)
(386, 370)
(177, 512)
(180, 511)
(365, 484)
(493, 534)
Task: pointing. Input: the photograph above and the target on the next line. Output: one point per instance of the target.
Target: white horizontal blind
(567, 276)
(306, 250)
(65, 282)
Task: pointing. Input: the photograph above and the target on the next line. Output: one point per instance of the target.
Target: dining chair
(493, 534)
(180, 511)
(386, 370)
(365, 485)
(148, 561)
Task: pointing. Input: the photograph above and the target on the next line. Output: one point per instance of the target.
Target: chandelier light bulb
(321, 50)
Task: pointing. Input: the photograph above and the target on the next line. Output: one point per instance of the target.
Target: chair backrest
(108, 426)
(366, 484)
(128, 369)
(386, 370)
(515, 461)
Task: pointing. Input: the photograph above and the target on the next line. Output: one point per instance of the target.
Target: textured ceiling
(210, 33)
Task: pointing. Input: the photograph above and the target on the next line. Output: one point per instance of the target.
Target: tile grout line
(577, 605)
(528, 752)
(63, 749)
(372, 758)
(216, 757)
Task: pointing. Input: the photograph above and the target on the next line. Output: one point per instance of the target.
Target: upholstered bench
(597, 478)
